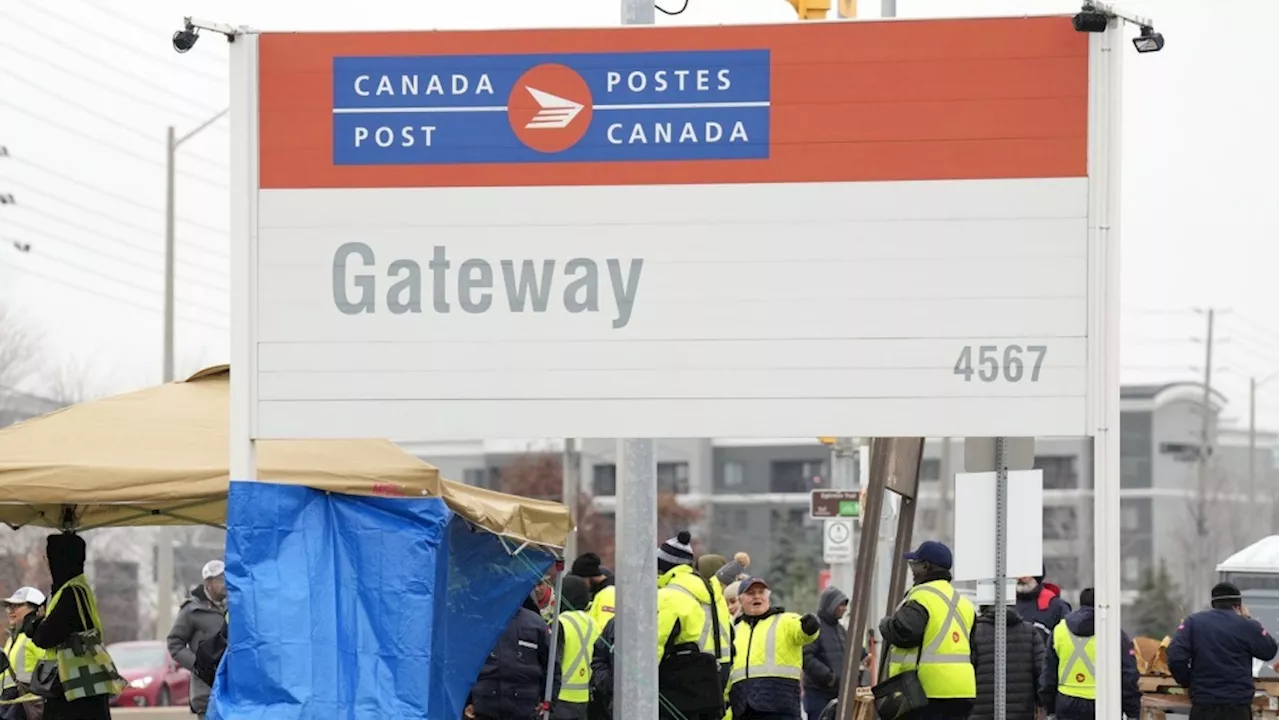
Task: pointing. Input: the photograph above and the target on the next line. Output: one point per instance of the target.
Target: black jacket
(1024, 663)
(824, 657)
(905, 629)
(512, 681)
(66, 555)
(1080, 623)
(1043, 608)
(1212, 656)
(601, 705)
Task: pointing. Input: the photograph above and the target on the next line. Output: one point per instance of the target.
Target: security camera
(185, 39)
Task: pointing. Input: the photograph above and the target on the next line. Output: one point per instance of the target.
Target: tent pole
(552, 665)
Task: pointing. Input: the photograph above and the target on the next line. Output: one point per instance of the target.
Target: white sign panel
(837, 541)
(974, 554)
(476, 243)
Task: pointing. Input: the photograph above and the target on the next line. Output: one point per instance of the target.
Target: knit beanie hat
(587, 565)
(675, 551)
(731, 590)
(730, 571)
(574, 593)
(707, 565)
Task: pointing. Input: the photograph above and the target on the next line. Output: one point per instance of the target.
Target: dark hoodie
(1080, 623)
(1024, 664)
(66, 556)
(824, 657)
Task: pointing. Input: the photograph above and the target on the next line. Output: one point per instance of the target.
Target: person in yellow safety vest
(1068, 686)
(578, 634)
(768, 656)
(71, 610)
(929, 632)
(603, 593)
(20, 655)
(690, 678)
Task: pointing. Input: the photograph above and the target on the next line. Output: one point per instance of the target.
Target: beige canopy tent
(159, 457)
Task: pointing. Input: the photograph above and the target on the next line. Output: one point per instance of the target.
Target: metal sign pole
(1002, 557)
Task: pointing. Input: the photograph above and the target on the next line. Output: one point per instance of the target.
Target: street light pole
(164, 541)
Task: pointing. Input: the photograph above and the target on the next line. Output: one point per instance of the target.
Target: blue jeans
(814, 703)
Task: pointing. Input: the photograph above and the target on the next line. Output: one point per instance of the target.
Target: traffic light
(811, 9)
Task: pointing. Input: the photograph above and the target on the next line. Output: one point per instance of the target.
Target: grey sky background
(87, 88)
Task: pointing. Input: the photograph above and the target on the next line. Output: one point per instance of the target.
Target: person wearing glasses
(20, 655)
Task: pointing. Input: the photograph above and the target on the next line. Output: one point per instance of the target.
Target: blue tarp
(348, 607)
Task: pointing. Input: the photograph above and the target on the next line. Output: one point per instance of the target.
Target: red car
(155, 680)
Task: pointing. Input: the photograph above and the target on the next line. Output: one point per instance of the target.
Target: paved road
(179, 713)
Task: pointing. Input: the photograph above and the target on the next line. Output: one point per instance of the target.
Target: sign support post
(636, 689)
(1002, 558)
(844, 476)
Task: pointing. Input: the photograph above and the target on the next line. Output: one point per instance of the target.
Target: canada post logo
(603, 107)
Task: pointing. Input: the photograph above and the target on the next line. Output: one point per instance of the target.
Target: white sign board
(974, 554)
(986, 592)
(837, 541)
(648, 232)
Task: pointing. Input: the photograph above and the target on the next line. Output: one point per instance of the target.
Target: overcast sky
(87, 88)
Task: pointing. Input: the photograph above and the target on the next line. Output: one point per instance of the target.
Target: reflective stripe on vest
(930, 653)
(770, 667)
(704, 638)
(580, 661)
(1076, 674)
(17, 654)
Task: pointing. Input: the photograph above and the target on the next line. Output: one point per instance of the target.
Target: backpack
(209, 655)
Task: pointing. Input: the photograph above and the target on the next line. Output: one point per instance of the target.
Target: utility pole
(946, 483)
(1202, 462)
(164, 539)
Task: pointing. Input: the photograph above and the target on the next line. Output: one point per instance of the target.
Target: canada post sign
(589, 107)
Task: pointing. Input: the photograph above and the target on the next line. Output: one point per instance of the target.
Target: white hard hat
(26, 596)
(212, 569)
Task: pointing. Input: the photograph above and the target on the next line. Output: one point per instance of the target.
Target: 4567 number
(1014, 362)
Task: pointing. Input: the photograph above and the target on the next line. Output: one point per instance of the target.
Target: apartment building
(753, 494)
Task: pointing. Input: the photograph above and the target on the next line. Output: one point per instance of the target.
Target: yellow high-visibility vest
(602, 606)
(579, 645)
(945, 668)
(1075, 663)
(684, 580)
(23, 656)
(770, 648)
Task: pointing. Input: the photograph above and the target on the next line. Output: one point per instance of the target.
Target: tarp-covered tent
(354, 570)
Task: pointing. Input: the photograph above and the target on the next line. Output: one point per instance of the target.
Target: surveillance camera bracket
(1113, 11)
(230, 31)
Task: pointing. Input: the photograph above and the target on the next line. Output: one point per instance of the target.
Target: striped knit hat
(675, 551)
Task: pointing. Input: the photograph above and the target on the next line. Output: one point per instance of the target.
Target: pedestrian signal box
(827, 504)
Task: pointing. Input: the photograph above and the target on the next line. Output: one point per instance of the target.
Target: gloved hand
(29, 624)
(809, 623)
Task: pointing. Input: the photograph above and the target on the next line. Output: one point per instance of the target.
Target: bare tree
(1212, 512)
(72, 383)
(21, 351)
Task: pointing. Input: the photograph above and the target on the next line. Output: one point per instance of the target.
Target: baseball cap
(932, 552)
(751, 582)
(26, 596)
(212, 569)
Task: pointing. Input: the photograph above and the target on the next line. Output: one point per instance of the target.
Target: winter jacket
(1043, 607)
(1212, 656)
(601, 705)
(198, 620)
(66, 556)
(768, 696)
(824, 657)
(513, 678)
(1080, 623)
(906, 629)
(1024, 664)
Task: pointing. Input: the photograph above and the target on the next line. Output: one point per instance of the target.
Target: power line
(217, 253)
(104, 143)
(115, 196)
(64, 46)
(113, 122)
(126, 283)
(124, 45)
(108, 296)
(96, 251)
